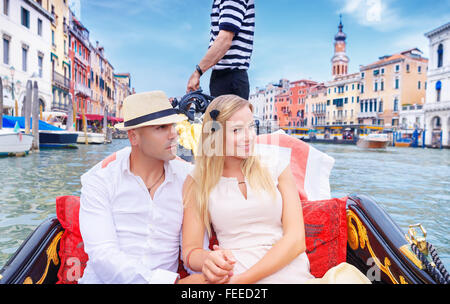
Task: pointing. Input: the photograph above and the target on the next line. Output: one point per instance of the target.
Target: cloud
(378, 14)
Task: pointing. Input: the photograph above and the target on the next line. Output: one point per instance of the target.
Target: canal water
(412, 185)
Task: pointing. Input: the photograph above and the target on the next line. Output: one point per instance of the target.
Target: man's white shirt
(128, 236)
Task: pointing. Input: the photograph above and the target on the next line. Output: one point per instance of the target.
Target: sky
(160, 41)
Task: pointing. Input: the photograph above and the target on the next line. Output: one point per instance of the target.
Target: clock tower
(340, 60)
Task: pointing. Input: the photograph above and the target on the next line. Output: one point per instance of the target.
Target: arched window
(440, 55)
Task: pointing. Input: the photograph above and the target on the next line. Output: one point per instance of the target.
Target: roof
(438, 30)
(394, 58)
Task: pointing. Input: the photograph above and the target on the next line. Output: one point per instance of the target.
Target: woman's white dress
(250, 227)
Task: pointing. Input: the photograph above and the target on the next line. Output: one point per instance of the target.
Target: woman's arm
(291, 244)
(215, 265)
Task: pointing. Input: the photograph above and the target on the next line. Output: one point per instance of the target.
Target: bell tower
(340, 60)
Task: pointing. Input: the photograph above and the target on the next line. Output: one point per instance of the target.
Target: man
(131, 206)
(230, 49)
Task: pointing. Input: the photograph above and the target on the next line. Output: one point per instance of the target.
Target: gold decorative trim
(405, 249)
(52, 255)
(363, 241)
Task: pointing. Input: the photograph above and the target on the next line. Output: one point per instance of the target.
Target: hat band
(148, 117)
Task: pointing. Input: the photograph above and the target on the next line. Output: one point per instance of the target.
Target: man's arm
(98, 231)
(216, 52)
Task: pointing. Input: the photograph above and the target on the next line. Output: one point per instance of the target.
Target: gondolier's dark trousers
(229, 81)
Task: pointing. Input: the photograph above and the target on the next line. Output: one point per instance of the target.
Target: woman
(249, 199)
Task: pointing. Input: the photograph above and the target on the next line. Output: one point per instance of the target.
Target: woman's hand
(218, 266)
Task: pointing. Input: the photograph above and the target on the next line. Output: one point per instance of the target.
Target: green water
(412, 185)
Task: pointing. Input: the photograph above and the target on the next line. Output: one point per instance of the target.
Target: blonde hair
(209, 167)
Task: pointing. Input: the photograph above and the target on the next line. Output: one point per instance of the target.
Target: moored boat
(50, 136)
(14, 142)
(92, 138)
(373, 141)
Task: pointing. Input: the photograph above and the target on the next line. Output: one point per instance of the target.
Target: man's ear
(133, 137)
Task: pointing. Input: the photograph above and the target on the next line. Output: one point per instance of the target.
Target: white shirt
(128, 236)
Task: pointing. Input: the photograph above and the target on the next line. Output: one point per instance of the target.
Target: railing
(60, 80)
(81, 59)
(82, 89)
(59, 107)
(367, 115)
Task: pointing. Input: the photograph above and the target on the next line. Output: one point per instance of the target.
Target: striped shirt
(237, 16)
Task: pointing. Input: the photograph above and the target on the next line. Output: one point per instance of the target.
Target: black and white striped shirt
(237, 16)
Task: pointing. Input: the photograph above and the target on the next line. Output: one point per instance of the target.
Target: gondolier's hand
(218, 267)
(194, 82)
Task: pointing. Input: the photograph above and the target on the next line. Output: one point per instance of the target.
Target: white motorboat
(373, 141)
(92, 138)
(14, 142)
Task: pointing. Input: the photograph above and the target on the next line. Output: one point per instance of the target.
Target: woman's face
(240, 134)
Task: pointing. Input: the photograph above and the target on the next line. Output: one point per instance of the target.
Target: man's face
(159, 141)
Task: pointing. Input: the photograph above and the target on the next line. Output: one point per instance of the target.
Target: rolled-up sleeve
(110, 264)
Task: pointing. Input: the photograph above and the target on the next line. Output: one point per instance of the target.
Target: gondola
(375, 244)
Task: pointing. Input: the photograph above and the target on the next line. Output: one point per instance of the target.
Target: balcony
(368, 115)
(61, 81)
(81, 89)
(81, 59)
(59, 107)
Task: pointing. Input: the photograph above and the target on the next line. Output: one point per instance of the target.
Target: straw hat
(148, 109)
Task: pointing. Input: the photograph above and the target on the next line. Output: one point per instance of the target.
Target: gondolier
(230, 49)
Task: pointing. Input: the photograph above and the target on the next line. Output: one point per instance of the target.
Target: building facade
(342, 106)
(60, 61)
(122, 89)
(437, 106)
(264, 103)
(290, 106)
(25, 49)
(390, 83)
(79, 54)
(315, 106)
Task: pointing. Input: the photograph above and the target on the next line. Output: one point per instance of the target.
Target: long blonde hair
(209, 167)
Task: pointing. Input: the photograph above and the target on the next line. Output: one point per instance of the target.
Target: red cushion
(71, 248)
(326, 233)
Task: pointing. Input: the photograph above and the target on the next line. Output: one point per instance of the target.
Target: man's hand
(196, 278)
(218, 267)
(194, 82)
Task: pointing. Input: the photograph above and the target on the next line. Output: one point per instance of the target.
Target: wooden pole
(35, 113)
(69, 121)
(74, 106)
(27, 106)
(16, 108)
(1, 103)
(85, 127)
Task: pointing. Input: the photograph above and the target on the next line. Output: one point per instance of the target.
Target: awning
(99, 117)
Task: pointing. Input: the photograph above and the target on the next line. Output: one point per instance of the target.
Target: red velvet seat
(325, 231)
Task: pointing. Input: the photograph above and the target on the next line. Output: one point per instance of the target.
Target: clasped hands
(218, 267)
